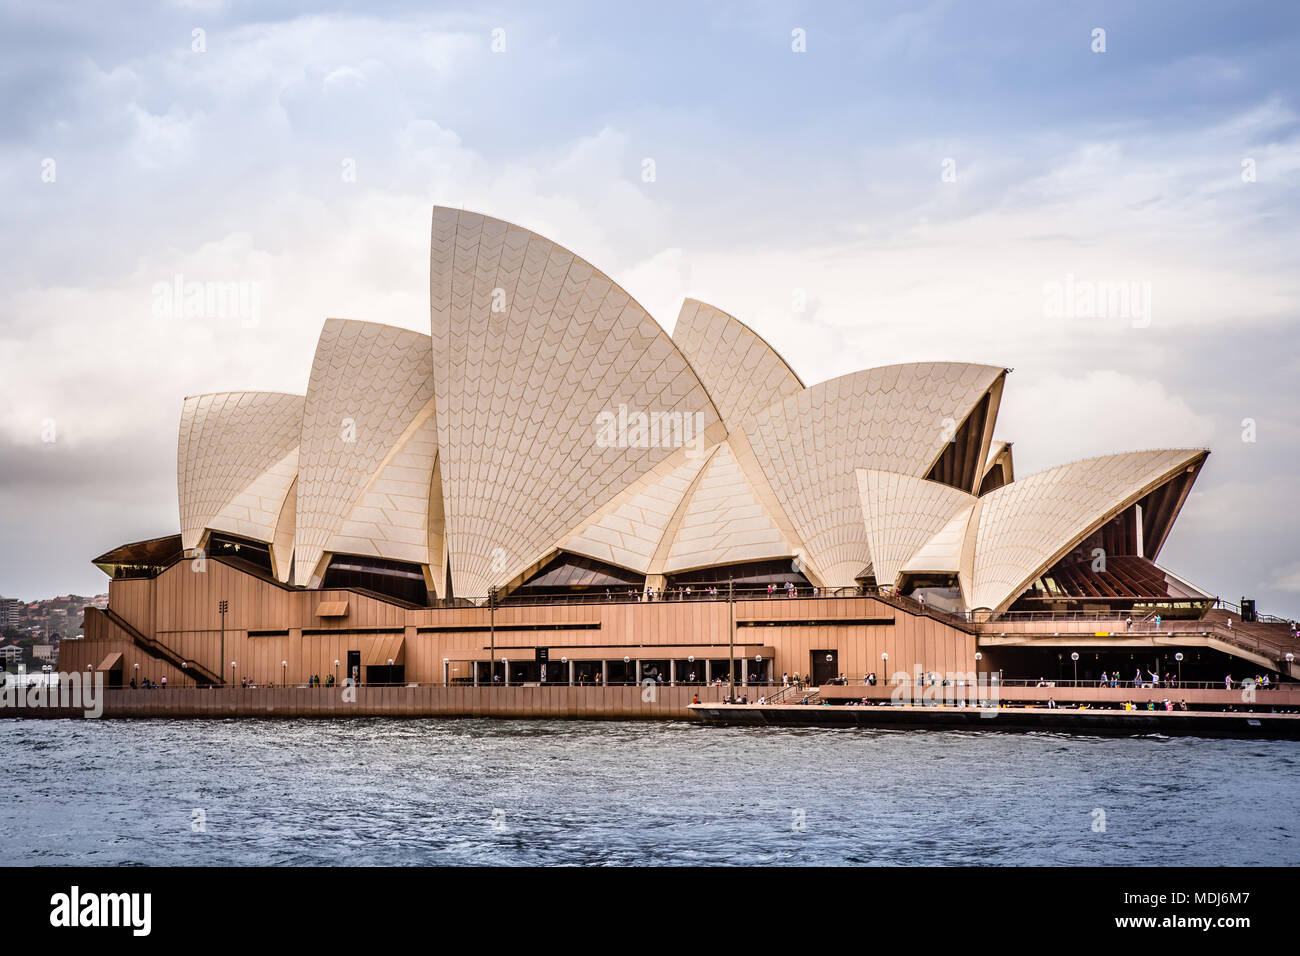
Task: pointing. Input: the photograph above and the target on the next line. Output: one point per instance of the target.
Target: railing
(1262, 618)
(1138, 615)
(788, 691)
(464, 682)
(659, 596)
(718, 591)
(962, 620)
(1146, 684)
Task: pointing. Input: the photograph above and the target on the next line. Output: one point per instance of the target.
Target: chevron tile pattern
(531, 344)
(897, 418)
(235, 458)
(742, 373)
(368, 383)
(903, 512)
(1023, 527)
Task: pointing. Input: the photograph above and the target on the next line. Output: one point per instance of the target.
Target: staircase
(157, 649)
(1269, 641)
(904, 603)
(793, 694)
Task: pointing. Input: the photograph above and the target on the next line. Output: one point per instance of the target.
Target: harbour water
(429, 792)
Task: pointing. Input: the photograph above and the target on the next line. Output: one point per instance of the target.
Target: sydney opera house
(549, 489)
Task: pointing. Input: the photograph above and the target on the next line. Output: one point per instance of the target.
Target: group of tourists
(315, 681)
(147, 684)
(1257, 681)
(682, 592)
(1165, 704)
(1152, 679)
(1128, 622)
(790, 590)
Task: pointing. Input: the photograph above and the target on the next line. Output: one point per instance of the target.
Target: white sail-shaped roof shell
(531, 346)
(235, 461)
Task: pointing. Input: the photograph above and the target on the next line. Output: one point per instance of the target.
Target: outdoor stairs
(793, 694)
(157, 649)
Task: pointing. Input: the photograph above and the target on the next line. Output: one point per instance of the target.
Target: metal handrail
(806, 592)
(461, 682)
(1145, 684)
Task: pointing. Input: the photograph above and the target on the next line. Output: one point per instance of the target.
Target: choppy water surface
(423, 792)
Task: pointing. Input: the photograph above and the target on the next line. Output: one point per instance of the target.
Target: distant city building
(11, 654)
(43, 652)
(8, 612)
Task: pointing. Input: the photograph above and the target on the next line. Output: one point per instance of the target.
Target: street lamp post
(185, 669)
(232, 673)
(884, 667)
(731, 638)
(336, 672)
(284, 673)
(492, 635)
(222, 608)
(1179, 658)
(390, 671)
(1074, 656)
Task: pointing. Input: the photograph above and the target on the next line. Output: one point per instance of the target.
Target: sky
(862, 183)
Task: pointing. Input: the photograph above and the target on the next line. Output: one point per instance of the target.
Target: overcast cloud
(776, 174)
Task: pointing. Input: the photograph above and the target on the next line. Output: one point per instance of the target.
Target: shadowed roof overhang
(155, 552)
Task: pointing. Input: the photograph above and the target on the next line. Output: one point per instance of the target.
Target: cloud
(1286, 579)
(1068, 417)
